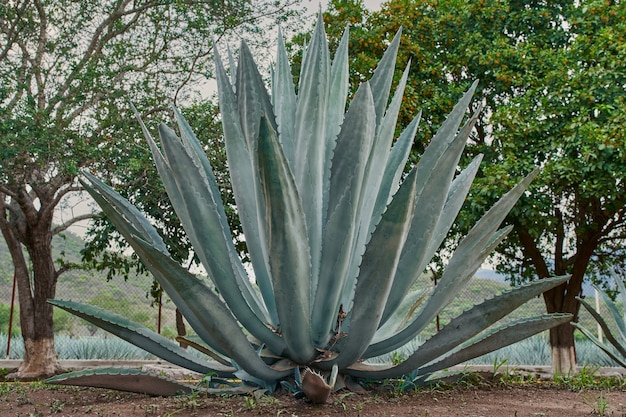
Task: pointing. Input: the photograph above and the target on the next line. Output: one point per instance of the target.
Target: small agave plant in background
(615, 345)
(337, 236)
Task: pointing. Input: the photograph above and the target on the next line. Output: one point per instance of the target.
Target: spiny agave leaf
(191, 142)
(433, 186)
(475, 320)
(123, 379)
(196, 151)
(348, 167)
(140, 225)
(610, 350)
(232, 64)
(290, 263)
(383, 77)
(456, 197)
(207, 315)
(311, 120)
(603, 324)
(499, 338)
(374, 280)
(447, 131)
(431, 309)
(615, 313)
(245, 185)
(252, 98)
(140, 336)
(395, 166)
(402, 315)
(372, 179)
(204, 221)
(245, 315)
(284, 101)
(339, 85)
(468, 255)
(493, 340)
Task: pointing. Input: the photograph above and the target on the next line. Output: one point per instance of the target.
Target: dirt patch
(528, 399)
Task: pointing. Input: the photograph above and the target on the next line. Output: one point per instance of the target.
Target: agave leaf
(466, 259)
(433, 189)
(615, 313)
(372, 179)
(499, 338)
(141, 336)
(339, 85)
(253, 102)
(374, 280)
(475, 320)
(141, 226)
(401, 317)
(348, 167)
(431, 309)
(383, 77)
(284, 101)
(109, 201)
(205, 222)
(206, 314)
(603, 324)
(123, 379)
(456, 197)
(245, 185)
(196, 152)
(611, 351)
(311, 145)
(232, 64)
(290, 264)
(393, 171)
(493, 340)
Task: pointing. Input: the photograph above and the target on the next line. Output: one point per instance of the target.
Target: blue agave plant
(336, 236)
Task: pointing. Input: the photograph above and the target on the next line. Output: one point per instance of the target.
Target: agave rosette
(337, 236)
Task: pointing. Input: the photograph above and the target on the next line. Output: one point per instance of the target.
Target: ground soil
(483, 399)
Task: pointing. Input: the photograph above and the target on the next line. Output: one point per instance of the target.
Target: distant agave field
(534, 351)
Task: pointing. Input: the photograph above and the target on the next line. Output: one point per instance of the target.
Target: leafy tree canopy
(552, 83)
(68, 70)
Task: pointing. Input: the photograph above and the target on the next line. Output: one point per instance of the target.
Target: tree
(67, 70)
(552, 81)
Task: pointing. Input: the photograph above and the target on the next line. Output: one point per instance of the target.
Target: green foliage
(68, 70)
(552, 83)
(335, 234)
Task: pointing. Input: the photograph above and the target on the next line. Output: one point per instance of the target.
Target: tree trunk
(39, 352)
(563, 349)
(562, 300)
(36, 315)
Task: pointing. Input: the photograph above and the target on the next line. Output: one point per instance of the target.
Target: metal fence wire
(130, 298)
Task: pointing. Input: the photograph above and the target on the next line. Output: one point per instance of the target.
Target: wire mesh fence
(131, 299)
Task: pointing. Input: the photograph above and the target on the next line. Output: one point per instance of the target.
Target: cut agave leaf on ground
(123, 379)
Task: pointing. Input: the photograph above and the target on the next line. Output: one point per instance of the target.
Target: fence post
(597, 294)
(9, 333)
(160, 312)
